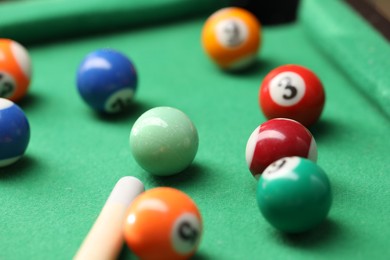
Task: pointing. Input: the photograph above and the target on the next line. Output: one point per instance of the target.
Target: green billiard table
(52, 196)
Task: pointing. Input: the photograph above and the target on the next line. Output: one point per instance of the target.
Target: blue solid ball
(107, 81)
(14, 132)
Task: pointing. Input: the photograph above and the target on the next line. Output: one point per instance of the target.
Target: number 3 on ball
(294, 92)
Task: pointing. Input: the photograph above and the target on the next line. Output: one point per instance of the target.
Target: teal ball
(294, 194)
(164, 141)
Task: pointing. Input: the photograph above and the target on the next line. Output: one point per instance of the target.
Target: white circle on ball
(119, 100)
(231, 33)
(7, 85)
(281, 167)
(287, 88)
(22, 58)
(186, 233)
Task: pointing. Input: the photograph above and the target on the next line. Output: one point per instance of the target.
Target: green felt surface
(50, 199)
(44, 20)
(359, 49)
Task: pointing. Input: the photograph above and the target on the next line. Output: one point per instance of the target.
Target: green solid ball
(164, 141)
(294, 194)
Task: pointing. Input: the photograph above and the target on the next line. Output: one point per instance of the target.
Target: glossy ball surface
(294, 194)
(231, 37)
(107, 81)
(15, 70)
(292, 91)
(164, 141)
(14, 132)
(163, 223)
(275, 139)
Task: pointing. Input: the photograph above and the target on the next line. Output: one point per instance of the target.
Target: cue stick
(105, 239)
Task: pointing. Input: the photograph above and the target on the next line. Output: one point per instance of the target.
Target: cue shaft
(105, 239)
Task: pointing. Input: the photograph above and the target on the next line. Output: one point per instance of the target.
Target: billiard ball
(163, 223)
(231, 38)
(292, 91)
(14, 132)
(15, 70)
(275, 139)
(164, 141)
(294, 194)
(107, 81)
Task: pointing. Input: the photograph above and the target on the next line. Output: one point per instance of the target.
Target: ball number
(281, 167)
(7, 85)
(287, 88)
(276, 166)
(286, 84)
(120, 104)
(119, 101)
(186, 233)
(231, 33)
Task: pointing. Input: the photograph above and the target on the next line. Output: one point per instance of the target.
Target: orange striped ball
(163, 223)
(231, 37)
(15, 70)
